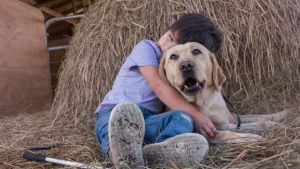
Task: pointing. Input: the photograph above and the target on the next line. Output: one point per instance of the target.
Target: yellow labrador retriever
(194, 72)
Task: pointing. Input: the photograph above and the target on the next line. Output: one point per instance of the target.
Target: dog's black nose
(186, 66)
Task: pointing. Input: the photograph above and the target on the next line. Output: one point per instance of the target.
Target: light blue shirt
(130, 84)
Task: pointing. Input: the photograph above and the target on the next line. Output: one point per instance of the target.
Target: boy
(129, 115)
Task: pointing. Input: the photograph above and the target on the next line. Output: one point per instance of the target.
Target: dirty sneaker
(125, 134)
(184, 150)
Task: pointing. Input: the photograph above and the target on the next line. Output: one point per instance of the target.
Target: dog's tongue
(188, 84)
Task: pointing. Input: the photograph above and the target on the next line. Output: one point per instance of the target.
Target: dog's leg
(231, 137)
(277, 117)
(257, 126)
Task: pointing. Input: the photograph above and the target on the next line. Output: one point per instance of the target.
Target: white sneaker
(184, 150)
(126, 132)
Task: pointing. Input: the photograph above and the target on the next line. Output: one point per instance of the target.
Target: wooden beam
(60, 5)
(29, 2)
(86, 3)
(60, 34)
(56, 14)
(47, 3)
(78, 7)
(32, 2)
(58, 24)
(59, 42)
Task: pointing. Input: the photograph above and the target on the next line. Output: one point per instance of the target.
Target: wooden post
(56, 14)
(86, 4)
(74, 7)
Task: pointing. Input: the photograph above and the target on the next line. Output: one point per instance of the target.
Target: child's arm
(170, 96)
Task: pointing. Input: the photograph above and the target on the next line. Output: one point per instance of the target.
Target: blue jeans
(158, 127)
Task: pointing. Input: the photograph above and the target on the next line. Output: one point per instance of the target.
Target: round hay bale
(260, 53)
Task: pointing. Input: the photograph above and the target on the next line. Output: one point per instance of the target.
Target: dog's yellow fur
(208, 99)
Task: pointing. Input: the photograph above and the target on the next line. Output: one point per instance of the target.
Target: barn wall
(24, 69)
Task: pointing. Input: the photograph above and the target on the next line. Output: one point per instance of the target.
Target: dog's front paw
(287, 113)
(268, 124)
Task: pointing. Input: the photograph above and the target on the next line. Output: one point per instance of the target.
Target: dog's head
(190, 68)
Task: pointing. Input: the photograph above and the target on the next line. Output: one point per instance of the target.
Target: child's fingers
(232, 120)
(209, 132)
(213, 129)
(203, 133)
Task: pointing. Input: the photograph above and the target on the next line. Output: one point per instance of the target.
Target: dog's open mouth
(192, 86)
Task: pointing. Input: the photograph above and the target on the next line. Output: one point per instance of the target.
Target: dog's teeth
(185, 86)
(197, 84)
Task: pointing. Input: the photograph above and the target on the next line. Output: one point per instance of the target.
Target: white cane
(41, 158)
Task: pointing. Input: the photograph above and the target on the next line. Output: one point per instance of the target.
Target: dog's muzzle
(191, 85)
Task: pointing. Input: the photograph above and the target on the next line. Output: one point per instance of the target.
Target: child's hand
(232, 120)
(204, 126)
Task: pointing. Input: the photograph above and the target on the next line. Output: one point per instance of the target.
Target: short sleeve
(144, 54)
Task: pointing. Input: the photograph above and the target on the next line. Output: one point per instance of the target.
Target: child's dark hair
(197, 28)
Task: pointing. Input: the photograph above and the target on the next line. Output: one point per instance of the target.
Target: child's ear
(162, 71)
(218, 76)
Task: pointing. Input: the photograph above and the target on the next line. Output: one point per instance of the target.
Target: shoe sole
(184, 150)
(126, 132)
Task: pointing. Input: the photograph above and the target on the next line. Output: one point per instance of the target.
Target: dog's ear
(218, 76)
(162, 71)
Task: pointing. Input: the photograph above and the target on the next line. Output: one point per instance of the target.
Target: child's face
(167, 41)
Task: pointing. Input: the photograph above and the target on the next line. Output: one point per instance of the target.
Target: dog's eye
(173, 56)
(196, 52)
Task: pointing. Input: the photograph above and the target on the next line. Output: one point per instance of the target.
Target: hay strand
(241, 155)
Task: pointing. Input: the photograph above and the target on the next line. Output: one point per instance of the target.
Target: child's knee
(184, 118)
(183, 115)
